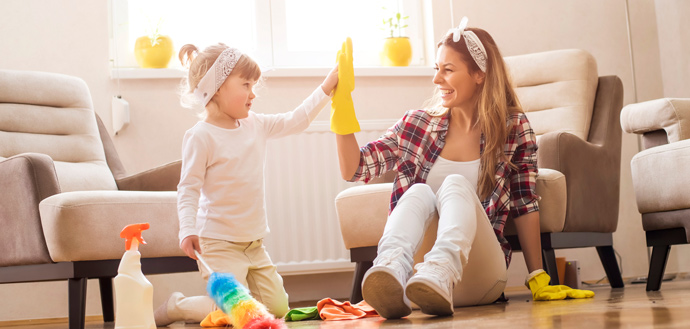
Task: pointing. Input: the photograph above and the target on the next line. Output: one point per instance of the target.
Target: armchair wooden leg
(106, 287)
(657, 266)
(549, 259)
(77, 302)
(360, 269)
(608, 260)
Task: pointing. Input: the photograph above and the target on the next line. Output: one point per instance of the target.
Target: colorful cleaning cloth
(302, 314)
(331, 309)
(216, 319)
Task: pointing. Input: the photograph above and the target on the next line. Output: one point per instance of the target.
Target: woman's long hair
(496, 99)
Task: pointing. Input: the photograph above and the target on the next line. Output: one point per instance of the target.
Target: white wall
(71, 37)
(674, 50)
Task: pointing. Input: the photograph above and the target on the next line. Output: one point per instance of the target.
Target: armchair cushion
(52, 114)
(556, 89)
(85, 225)
(162, 178)
(551, 188)
(669, 114)
(656, 179)
(362, 212)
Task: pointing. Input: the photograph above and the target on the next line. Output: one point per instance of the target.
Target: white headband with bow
(474, 45)
(216, 75)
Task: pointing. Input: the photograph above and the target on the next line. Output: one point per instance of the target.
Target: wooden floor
(629, 307)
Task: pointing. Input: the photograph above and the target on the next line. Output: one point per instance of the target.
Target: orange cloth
(216, 319)
(331, 309)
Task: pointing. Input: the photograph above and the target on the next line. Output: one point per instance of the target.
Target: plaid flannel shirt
(414, 143)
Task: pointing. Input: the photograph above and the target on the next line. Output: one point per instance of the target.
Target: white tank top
(444, 167)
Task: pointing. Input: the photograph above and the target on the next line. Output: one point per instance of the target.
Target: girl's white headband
(216, 75)
(474, 45)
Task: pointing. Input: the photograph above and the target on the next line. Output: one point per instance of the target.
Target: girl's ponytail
(187, 54)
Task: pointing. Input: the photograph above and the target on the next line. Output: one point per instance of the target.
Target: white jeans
(465, 237)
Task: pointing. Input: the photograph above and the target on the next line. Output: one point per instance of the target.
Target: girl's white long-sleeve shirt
(221, 189)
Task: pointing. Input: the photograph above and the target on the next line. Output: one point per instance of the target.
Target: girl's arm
(297, 120)
(194, 159)
(330, 82)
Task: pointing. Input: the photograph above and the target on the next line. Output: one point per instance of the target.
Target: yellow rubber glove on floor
(343, 119)
(538, 283)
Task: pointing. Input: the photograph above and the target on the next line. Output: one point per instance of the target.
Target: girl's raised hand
(331, 81)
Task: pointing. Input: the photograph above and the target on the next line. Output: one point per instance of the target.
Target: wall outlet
(120, 111)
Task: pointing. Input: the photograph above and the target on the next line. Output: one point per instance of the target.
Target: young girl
(220, 197)
(470, 161)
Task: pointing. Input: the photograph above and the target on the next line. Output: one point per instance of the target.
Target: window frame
(270, 27)
(285, 58)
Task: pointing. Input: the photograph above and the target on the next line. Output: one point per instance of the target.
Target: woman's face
(454, 79)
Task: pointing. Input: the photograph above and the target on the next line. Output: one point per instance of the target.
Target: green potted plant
(397, 50)
(153, 50)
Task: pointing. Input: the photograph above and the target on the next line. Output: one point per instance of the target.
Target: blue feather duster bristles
(234, 299)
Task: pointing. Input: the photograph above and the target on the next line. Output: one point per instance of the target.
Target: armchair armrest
(362, 212)
(669, 114)
(162, 178)
(26, 179)
(592, 175)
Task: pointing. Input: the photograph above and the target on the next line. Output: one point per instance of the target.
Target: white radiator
(302, 181)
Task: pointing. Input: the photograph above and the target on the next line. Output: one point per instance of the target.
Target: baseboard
(32, 322)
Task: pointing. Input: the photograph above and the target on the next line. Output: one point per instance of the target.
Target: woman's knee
(418, 197)
(456, 181)
(420, 190)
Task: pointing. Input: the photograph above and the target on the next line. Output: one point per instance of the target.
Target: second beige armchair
(661, 176)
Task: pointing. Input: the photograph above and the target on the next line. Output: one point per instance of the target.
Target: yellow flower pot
(156, 56)
(396, 52)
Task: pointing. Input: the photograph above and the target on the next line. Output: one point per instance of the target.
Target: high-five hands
(343, 119)
(538, 283)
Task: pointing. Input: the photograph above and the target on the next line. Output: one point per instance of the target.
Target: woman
(469, 159)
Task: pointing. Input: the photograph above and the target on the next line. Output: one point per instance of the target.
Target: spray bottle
(133, 292)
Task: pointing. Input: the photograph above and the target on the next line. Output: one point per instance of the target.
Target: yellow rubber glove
(343, 119)
(538, 283)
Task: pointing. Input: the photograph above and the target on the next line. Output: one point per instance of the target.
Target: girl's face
(454, 80)
(234, 97)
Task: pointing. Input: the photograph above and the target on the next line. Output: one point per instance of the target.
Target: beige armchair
(661, 176)
(65, 196)
(574, 114)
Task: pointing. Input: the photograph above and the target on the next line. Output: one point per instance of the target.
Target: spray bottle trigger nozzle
(133, 231)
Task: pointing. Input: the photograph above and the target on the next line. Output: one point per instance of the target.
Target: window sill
(283, 72)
